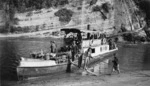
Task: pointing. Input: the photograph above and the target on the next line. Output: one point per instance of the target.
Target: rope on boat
(74, 63)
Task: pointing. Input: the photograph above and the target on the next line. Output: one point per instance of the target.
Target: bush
(64, 15)
(98, 9)
(106, 7)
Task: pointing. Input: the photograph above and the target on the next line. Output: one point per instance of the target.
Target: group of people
(42, 55)
(86, 56)
(75, 49)
(46, 56)
(95, 36)
(115, 61)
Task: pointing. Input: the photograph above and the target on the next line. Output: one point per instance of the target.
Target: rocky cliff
(101, 15)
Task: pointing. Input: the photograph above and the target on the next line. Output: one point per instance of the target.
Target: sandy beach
(134, 78)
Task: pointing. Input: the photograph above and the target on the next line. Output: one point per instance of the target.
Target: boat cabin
(96, 40)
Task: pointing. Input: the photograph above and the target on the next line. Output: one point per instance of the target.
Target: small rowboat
(36, 67)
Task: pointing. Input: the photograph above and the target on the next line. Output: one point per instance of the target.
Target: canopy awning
(73, 30)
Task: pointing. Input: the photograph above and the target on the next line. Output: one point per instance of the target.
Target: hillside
(102, 15)
(74, 14)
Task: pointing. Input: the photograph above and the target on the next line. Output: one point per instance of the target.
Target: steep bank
(102, 15)
(82, 14)
(73, 13)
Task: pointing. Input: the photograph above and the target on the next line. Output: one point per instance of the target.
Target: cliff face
(101, 15)
(77, 13)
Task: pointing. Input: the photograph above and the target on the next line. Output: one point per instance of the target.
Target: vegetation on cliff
(27, 5)
(127, 12)
(103, 9)
(64, 15)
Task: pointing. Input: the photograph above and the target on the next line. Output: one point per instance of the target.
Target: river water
(11, 49)
(131, 57)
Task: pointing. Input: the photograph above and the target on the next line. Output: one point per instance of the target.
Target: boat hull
(39, 71)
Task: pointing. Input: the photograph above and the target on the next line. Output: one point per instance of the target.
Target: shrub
(64, 15)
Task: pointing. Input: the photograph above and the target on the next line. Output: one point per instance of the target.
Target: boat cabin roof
(90, 31)
(73, 30)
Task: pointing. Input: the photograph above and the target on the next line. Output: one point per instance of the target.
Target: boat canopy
(73, 30)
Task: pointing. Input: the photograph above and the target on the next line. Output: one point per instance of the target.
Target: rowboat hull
(39, 71)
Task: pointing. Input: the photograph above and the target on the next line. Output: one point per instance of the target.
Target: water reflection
(134, 57)
(9, 60)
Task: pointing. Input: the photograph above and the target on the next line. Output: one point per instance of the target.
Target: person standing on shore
(69, 57)
(115, 62)
(87, 56)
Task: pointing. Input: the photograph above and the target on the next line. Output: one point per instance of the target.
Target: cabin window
(93, 50)
(106, 48)
(100, 49)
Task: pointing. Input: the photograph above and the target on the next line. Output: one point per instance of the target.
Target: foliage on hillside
(64, 15)
(104, 9)
(26, 5)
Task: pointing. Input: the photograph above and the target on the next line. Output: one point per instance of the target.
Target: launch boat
(101, 49)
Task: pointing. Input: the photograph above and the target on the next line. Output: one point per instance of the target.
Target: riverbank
(35, 34)
(134, 78)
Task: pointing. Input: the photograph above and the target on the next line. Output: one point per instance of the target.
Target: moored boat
(35, 66)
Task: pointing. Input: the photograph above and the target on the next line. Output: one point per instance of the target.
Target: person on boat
(95, 36)
(79, 40)
(115, 62)
(47, 56)
(33, 54)
(80, 57)
(88, 36)
(41, 54)
(112, 44)
(103, 40)
(74, 50)
(53, 47)
(91, 36)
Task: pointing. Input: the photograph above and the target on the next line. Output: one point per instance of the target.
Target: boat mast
(82, 16)
(124, 4)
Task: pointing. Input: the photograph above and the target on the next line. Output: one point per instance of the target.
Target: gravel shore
(134, 78)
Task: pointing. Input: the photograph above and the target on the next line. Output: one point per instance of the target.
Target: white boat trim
(37, 63)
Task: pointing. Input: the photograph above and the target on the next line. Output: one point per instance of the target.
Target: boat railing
(95, 42)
